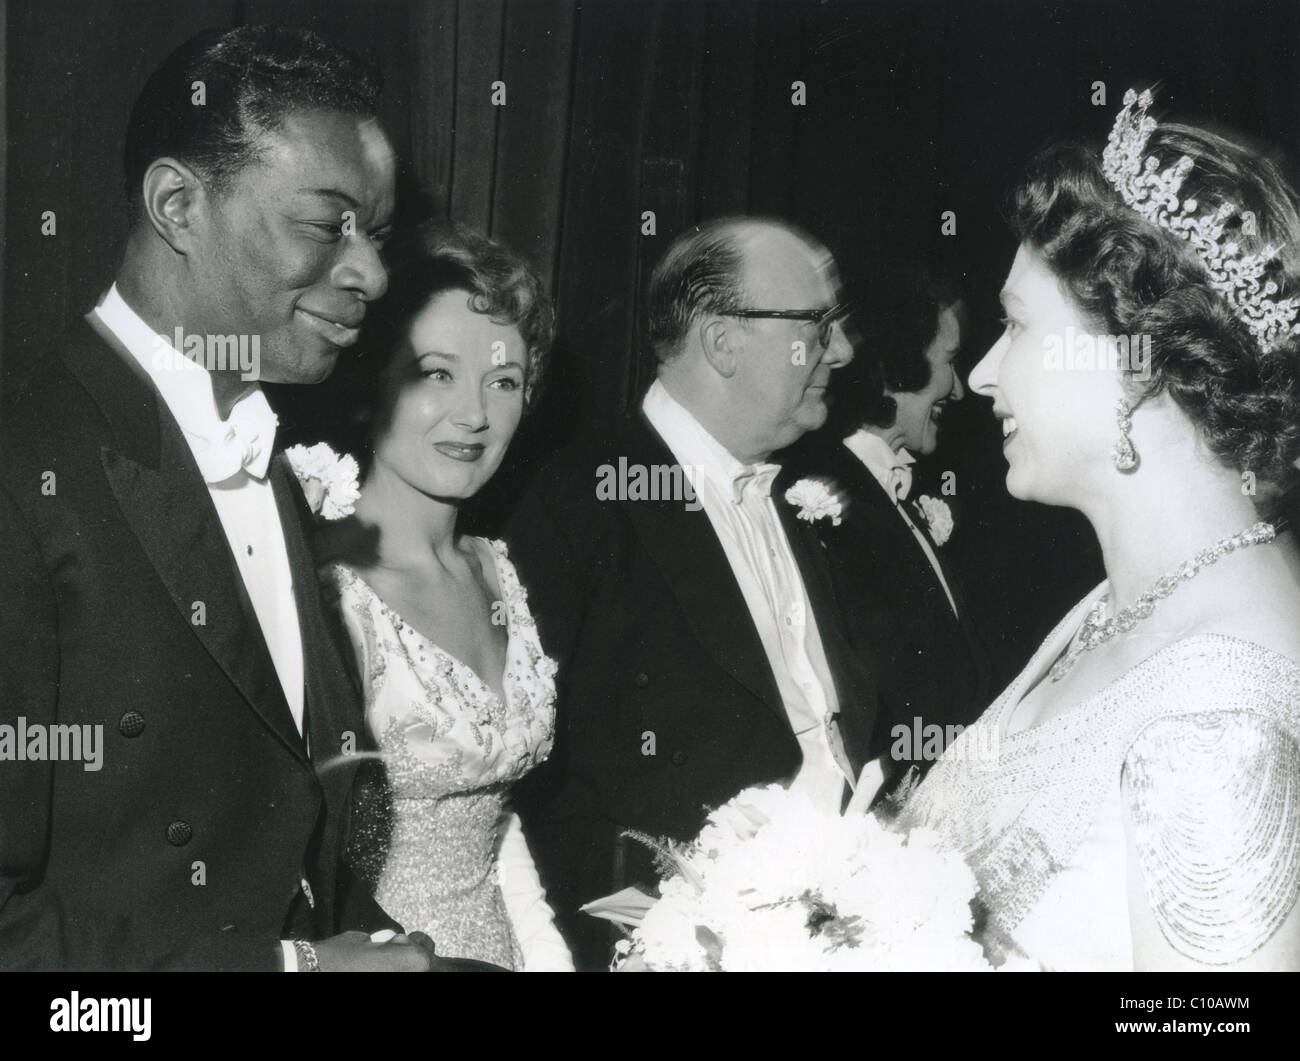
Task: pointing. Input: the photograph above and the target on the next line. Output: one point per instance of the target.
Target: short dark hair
(701, 272)
(898, 326)
(1128, 276)
(252, 77)
(422, 263)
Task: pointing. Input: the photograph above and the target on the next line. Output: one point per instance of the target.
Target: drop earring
(1123, 453)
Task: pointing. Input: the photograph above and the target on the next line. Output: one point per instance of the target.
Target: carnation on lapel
(328, 480)
(937, 516)
(815, 500)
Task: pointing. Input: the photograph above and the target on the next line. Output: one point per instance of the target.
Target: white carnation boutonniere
(815, 500)
(328, 479)
(937, 516)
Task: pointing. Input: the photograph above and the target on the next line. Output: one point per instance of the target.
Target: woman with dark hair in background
(1132, 800)
(886, 408)
(459, 696)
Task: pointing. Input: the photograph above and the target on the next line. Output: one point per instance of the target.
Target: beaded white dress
(1199, 743)
(432, 832)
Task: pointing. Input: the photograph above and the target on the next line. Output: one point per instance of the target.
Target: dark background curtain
(617, 107)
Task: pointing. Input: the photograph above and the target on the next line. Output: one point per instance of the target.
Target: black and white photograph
(651, 486)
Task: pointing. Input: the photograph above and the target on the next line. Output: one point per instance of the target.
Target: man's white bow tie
(900, 481)
(756, 477)
(245, 440)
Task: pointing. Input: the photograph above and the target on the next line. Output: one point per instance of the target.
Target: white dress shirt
(737, 500)
(892, 469)
(240, 490)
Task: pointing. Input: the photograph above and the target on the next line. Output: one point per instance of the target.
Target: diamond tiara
(1239, 279)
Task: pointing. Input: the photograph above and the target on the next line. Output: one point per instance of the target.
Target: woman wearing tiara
(1141, 808)
(459, 696)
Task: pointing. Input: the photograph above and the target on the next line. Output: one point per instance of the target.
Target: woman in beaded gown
(1132, 801)
(459, 695)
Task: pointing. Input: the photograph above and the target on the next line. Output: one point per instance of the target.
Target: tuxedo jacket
(667, 703)
(933, 668)
(122, 608)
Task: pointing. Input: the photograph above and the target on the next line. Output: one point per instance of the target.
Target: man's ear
(174, 202)
(718, 339)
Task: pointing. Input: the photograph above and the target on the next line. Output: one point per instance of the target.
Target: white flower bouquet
(772, 883)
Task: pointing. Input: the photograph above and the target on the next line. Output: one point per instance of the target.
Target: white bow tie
(757, 477)
(244, 440)
(900, 481)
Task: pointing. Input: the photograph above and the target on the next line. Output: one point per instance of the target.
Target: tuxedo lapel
(874, 509)
(964, 625)
(917, 516)
(685, 548)
(855, 689)
(165, 501)
(877, 509)
(330, 695)
(881, 512)
(807, 549)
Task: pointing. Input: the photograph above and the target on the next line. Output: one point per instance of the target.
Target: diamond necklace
(1096, 631)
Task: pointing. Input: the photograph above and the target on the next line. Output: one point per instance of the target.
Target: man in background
(701, 645)
(887, 408)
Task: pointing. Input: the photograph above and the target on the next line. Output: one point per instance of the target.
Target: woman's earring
(1123, 453)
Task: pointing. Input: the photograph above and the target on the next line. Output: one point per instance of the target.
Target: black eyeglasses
(824, 319)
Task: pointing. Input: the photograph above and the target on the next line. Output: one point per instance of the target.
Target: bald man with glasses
(702, 647)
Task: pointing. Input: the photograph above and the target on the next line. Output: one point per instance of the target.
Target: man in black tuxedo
(700, 642)
(887, 552)
(159, 597)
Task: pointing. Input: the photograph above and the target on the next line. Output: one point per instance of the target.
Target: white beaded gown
(1199, 744)
(432, 833)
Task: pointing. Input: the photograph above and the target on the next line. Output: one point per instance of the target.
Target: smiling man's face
(289, 252)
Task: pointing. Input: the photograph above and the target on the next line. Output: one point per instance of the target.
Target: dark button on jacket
(131, 724)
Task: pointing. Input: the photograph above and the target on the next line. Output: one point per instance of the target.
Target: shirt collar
(221, 448)
(702, 456)
(886, 465)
